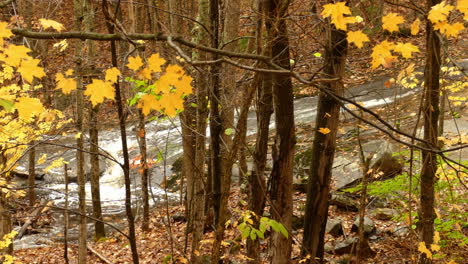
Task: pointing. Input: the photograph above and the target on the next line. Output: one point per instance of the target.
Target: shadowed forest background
(233, 131)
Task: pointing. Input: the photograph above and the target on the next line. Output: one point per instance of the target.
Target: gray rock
(401, 231)
(334, 227)
(329, 247)
(369, 225)
(344, 202)
(349, 246)
(384, 214)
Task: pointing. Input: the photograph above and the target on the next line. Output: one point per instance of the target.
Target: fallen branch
(99, 255)
(35, 215)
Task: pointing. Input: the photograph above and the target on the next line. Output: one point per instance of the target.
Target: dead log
(34, 216)
(99, 255)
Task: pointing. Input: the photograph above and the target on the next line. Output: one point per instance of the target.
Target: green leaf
(193, 105)
(167, 258)
(317, 54)
(229, 131)
(253, 235)
(260, 234)
(8, 105)
(278, 227)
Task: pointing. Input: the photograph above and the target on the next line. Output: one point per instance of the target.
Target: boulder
(401, 231)
(344, 202)
(334, 227)
(369, 225)
(384, 214)
(350, 245)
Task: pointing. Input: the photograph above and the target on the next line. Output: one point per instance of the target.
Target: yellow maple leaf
(65, 84)
(324, 130)
(147, 103)
(391, 21)
(406, 49)
(462, 6)
(449, 30)
(30, 69)
(145, 73)
(415, 26)
(55, 164)
(42, 159)
(69, 72)
(112, 74)
(98, 90)
(155, 62)
(28, 107)
(423, 249)
(382, 54)
(61, 45)
(134, 63)
(357, 37)
(171, 102)
(49, 23)
(336, 12)
(4, 32)
(435, 247)
(436, 237)
(439, 12)
(16, 53)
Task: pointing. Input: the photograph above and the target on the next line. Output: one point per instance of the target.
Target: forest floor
(168, 239)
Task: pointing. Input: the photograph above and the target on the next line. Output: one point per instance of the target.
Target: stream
(162, 137)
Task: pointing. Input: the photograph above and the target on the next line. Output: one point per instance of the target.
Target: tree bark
(79, 13)
(95, 172)
(431, 115)
(257, 183)
(32, 175)
(323, 148)
(285, 140)
(194, 135)
(123, 135)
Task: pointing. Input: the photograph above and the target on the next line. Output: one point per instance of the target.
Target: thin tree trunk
(264, 111)
(123, 135)
(224, 95)
(431, 115)
(194, 133)
(144, 170)
(32, 175)
(95, 172)
(5, 222)
(283, 104)
(65, 215)
(323, 148)
(79, 12)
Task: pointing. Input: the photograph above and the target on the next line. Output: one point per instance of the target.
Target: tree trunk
(123, 135)
(257, 189)
(194, 132)
(79, 13)
(32, 175)
(323, 147)
(95, 172)
(141, 136)
(431, 115)
(224, 94)
(283, 103)
(5, 225)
